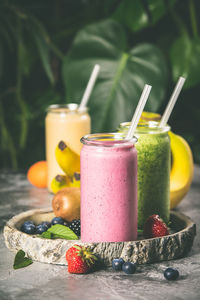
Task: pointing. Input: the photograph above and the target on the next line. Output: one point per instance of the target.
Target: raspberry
(75, 226)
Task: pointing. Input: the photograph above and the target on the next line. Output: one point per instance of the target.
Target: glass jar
(64, 123)
(154, 164)
(108, 188)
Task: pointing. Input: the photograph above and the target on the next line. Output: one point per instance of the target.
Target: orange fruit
(37, 174)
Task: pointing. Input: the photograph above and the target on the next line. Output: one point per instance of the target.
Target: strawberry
(80, 259)
(155, 227)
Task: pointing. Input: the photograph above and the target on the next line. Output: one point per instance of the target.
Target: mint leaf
(21, 261)
(46, 235)
(62, 232)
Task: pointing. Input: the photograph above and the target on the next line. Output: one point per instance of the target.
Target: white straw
(89, 87)
(139, 110)
(172, 102)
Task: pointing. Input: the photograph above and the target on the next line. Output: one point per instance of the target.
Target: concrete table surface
(45, 281)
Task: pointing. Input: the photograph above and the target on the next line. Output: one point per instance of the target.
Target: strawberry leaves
(80, 259)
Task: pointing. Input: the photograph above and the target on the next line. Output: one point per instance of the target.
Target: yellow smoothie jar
(64, 123)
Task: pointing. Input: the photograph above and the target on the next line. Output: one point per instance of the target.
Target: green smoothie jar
(154, 164)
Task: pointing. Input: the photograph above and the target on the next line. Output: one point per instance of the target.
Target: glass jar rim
(116, 139)
(142, 127)
(67, 107)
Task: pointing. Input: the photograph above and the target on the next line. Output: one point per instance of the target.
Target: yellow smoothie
(64, 123)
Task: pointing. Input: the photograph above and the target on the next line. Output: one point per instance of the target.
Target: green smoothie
(153, 149)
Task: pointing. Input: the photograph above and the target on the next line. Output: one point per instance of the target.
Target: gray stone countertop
(45, 281)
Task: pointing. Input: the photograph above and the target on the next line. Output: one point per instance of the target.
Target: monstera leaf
(137, 14)
(184, 55)
(132, 14)
(122, 77)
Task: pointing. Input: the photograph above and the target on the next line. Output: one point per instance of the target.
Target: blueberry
(48, 224)
(117, 264)
(28, 222)
(28, 228)
(171, 274)
(129, 268)
(41, 228)
(57, 220)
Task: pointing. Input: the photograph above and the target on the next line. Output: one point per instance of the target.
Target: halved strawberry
(80, 259)
(155, 227)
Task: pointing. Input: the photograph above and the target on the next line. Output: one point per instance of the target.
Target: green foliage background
(48, 49)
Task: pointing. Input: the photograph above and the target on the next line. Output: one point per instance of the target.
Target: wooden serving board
(142, 251)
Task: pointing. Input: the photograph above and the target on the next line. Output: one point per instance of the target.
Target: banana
(150, 116)
(75, 182)
(182, 169)
(68, 160)
(59, 182)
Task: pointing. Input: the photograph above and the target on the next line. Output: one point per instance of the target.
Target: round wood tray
(142, 251)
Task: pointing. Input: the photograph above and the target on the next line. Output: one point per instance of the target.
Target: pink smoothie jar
(108, 188)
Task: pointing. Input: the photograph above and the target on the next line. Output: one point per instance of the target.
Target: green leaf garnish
(62, 232)
(21, 261)
(46, 235)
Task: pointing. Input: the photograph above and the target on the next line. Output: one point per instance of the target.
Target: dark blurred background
(48, 49)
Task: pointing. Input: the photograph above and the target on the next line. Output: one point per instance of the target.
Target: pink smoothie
(108, 191)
